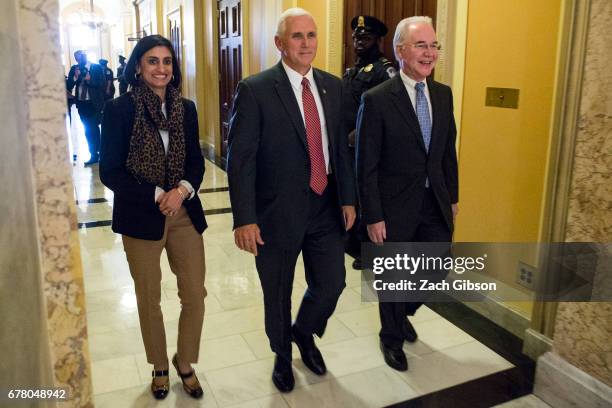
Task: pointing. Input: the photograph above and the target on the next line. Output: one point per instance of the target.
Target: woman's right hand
(170, 202)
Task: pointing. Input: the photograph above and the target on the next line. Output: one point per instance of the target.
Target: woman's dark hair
(144, 45)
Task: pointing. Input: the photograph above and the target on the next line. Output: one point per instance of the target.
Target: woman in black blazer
(151, 160)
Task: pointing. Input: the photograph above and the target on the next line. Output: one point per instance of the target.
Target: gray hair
(402, 27)
(291, 12)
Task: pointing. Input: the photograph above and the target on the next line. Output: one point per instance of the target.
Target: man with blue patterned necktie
(407, 164)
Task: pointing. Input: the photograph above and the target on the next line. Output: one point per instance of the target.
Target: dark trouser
(356, 235)
(70, 103)
(322, 248)
(359, 232)
(432, 228)
(91, 122)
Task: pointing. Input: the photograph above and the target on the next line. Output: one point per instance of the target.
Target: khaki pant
(185, 250)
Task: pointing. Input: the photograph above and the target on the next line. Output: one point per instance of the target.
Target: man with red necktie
(292, 189)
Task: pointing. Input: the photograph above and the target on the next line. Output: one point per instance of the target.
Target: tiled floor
(528, 401)
(235, 360)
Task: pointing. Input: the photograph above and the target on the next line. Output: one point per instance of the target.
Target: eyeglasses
(422, 46)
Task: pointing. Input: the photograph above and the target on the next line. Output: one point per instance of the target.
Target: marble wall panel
(583, 331)
(44, 93)
(590, 209)
(23, 334)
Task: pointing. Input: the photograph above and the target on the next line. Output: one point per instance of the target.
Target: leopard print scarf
(147, 159)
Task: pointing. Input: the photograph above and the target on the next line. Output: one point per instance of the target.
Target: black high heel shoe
(160, 391)
(194, 391)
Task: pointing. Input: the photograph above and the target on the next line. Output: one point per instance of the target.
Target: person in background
(89, 83)
(371, 68)
(292, 190)
(152, 162)
(69, 99)
(69, 103)
(109, 91)
(123, 85)
(407, 165)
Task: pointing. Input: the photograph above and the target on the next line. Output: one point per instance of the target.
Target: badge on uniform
(368, 68)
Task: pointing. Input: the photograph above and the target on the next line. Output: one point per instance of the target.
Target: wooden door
(175, 35)
(230, 62)
(389, 12)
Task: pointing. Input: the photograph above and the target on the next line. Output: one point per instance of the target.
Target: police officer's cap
(103, 62)
(368, 24)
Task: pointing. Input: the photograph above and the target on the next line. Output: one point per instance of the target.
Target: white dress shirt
(410, 83)
(295, 78)
(83, 89)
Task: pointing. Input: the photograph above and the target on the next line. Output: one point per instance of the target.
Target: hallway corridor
(235, 360)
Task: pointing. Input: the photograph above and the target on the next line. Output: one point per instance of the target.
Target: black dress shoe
(395, 358)
(282, 376)
(357, 264)
(194, 390)
(160, 391)
(311, 356)
(409, 333)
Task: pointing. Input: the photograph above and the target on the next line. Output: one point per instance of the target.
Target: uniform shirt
(295, 78)
(360, 78)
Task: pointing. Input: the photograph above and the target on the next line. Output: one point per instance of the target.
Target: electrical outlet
(526, 275)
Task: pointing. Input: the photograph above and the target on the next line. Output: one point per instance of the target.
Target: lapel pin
(324, 91)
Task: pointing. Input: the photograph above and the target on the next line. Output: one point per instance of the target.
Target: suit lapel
(404, 105)
(321, 87)
(287, 97)
(436, 107)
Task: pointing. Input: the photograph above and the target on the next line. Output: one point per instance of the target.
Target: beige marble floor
(528, 401)
(236, 362)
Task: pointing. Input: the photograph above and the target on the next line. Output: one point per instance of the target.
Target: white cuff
(189, 188)
(158, 191)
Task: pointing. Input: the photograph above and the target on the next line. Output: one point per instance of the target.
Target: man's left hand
(349, 214)
(351, 138)
(455, 209)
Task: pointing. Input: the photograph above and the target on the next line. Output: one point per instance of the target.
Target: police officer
(371, 69)
(109, 89)
(123, 85)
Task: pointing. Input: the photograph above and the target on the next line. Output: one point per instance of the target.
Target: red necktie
(318, 174)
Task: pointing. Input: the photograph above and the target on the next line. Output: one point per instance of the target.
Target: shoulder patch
(385, 61)
(391, 71)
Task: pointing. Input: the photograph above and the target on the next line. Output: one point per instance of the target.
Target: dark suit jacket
(96, 84)
(268, 162)
(392, 163)
(135, 212)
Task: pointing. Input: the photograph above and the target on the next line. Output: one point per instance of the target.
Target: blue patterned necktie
(422, 112)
